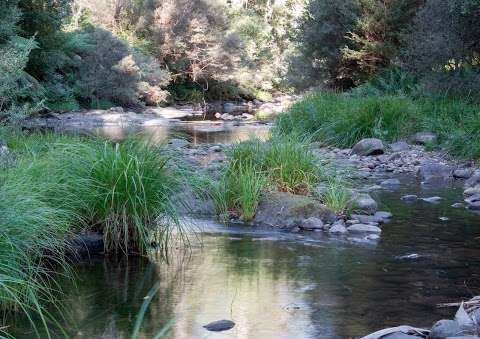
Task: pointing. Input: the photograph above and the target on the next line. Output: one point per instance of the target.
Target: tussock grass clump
(284, 163)
(337, 196)
(122, 190)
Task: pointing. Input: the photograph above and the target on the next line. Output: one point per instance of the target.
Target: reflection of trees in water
(110, 293)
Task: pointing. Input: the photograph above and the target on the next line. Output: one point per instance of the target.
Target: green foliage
(337, 196)
(322, 34)
(31, 250)
(377, 36)
(342, 120)
(393, 81)
(284, 163)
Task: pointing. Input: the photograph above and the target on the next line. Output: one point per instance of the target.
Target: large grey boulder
(369, 146)
(463, 173)
(443, 329)
(472, 190)
(473, 202)
(400, 335)
(435, 170)
(423, 138)
(312, 223)
(286, 210)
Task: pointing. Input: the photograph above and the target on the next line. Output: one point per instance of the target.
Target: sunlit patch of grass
(283, 163)
(342, 120)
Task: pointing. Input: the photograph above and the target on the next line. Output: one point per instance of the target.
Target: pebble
(432, 200)
(409, 197)
(219, 325)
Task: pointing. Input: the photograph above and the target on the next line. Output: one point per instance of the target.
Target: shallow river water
(274, 284)
(283, 285)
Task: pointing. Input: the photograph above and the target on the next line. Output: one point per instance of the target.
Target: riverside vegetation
(383, 69)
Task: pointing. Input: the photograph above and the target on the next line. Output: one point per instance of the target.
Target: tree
(322, 35)
(377, 37)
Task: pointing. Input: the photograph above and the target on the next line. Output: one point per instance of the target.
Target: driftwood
(420, 332)
(469, 305)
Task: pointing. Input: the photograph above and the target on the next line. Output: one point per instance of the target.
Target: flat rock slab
(286, 210)
(219, 325)
(423, 138)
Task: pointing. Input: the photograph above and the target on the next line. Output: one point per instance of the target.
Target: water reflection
(196, 132)
(280, 285)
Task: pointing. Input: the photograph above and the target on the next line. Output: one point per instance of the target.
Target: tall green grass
(283, 163)
(32, 252)
(344, 119)
(59, 184)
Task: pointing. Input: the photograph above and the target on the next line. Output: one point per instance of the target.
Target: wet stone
(432, 200)
(219, 325)
(409, 197)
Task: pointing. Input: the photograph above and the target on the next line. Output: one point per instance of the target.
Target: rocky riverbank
(465, 325)
(240, 111)
(373, 165)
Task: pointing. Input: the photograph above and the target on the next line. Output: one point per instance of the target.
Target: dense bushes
(349, 42)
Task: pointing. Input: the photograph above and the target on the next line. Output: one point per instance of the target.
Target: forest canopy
(67, 54)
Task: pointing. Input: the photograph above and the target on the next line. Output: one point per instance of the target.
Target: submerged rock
(409, 197)
(435, 170)
(366, 219)
(286, 210)
(369, 146)
(219, 325)
(432, 200)
(390, 183)
(383, 215)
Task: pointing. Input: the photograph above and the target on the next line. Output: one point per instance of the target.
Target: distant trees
(349, 42)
